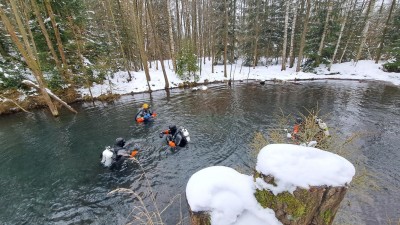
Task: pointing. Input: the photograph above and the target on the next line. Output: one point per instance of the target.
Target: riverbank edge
(35, 102)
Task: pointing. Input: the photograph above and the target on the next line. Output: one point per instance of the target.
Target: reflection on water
(50, 171)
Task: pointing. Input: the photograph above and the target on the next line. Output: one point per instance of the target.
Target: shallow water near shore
(50, 171)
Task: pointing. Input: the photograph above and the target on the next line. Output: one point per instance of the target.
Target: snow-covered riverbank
(363, 70)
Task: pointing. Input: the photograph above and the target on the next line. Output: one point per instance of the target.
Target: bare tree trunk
(158, 43)
(292, 35)
(171, 36)
(21, 29)
(32, 64)
(47, 37)
(127, 68)
(346, 14)
(78, 39)
(378, 54)
(365, 31)
(194, 25)
(139, 38)
(285, 36)
(256, 35)
(303, 36)
(226, 38)
(321, 44)
(212, 53)
(26, 20)
(178, 24)
(58, 38)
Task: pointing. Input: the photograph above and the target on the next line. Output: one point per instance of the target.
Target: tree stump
(199, 218)
(317, 205)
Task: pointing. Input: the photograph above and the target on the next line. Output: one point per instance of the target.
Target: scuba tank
(107, 157)
(185, 133)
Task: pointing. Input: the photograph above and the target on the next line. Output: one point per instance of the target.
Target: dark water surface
(50, 171)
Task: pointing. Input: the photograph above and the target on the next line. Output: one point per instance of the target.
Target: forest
(62, 45)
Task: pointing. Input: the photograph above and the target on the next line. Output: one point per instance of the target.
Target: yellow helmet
(145, 106)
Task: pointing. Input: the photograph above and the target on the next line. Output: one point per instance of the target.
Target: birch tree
(285, 35)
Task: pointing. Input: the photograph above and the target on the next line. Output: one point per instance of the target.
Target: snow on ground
(363, 70)
(229, 196)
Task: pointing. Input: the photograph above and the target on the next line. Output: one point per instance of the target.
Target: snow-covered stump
(317, 205)
(293, 185)
(302, 185)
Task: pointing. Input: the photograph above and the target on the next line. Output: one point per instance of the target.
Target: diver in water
(118, 153)
(176, 137)
(145, 114)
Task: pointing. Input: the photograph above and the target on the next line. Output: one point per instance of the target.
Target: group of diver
(179, 137)
(175, 137)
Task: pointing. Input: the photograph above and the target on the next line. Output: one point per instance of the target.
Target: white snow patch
(228, 196)
(298, 166)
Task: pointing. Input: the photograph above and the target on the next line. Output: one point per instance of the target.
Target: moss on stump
(317, 205)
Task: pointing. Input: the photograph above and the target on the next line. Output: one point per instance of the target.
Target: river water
(50, 171)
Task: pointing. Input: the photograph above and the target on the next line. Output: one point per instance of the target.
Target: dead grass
(141, 214)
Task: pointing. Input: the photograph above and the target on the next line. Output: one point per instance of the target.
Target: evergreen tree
(186, 64)
(393, 46)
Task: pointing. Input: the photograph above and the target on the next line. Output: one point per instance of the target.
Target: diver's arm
(164, 132)
(139, 116)
(178, 139)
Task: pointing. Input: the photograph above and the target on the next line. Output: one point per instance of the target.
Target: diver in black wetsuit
(119, 152)
(176, 137)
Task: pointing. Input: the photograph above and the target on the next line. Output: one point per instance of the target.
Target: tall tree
(321, 44)
(171, 36)
(285, 35)
(47, 38)
(256, 37)
(226, 38)
(139, 38)
(158, 43)
(381, 43)
(293, 32)
(345, 13)
(58, 38)
(365, 30)
(31, 62)
(303, 36)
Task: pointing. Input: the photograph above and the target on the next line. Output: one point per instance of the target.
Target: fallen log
(14, 102)
(51, 94)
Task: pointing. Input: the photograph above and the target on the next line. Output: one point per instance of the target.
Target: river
(50, 171)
